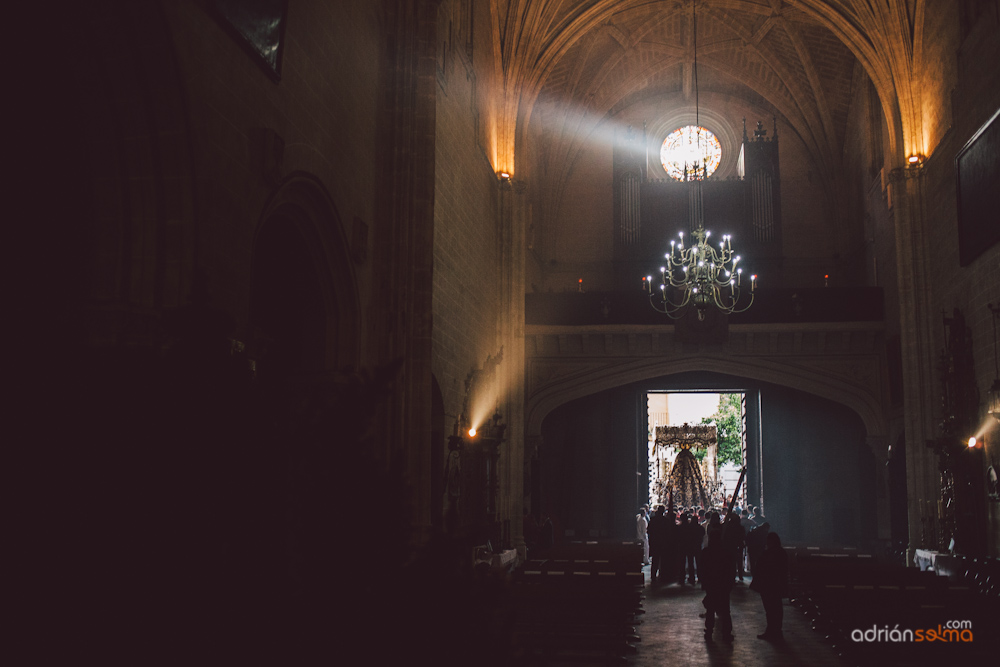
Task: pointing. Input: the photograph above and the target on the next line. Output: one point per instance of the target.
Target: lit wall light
(972, 442)
(504, 175)
(472, 432)
(916, 158)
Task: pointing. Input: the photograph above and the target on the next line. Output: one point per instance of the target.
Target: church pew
(842, 595)
(579, 604)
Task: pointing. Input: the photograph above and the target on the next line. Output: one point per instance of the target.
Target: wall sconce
(915, 159)
(465, 433)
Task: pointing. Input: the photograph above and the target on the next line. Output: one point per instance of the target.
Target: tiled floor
(672, 633)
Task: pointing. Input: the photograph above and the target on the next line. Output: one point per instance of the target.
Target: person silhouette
(717, 570)
(641, 524)
(659, 537)
(770, 579)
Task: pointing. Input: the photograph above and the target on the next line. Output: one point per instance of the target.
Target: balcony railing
(771, 306)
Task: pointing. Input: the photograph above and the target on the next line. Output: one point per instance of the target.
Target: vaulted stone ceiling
(576, 61)
(745, 48)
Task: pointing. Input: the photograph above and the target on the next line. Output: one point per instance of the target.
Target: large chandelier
(702, 276)
(699, 275)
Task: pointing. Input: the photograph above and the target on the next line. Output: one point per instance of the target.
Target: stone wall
(959, 92)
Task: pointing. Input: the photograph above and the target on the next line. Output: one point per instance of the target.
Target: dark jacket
(717, 568)
(695, 534)
(733, 535)
(770, 574)
(658, 532)
(756, 541)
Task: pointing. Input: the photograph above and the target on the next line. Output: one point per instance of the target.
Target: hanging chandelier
(699, 275)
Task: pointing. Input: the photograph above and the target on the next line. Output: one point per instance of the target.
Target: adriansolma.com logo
(952, 631)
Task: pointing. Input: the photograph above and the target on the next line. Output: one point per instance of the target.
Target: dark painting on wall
(978, 169)
(258, 25)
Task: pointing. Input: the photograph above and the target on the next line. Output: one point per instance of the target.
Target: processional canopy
(687, 436)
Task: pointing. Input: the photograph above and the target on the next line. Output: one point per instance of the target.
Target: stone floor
(672, 633)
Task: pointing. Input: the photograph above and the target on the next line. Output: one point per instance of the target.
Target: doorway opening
(711, 426)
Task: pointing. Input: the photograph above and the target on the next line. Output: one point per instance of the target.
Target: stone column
(879, 446)
(512, 224)
(400, 329)
(917, 343)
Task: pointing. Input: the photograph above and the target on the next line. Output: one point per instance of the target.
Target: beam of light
(495, 393)
(586, 128)
(987, 425)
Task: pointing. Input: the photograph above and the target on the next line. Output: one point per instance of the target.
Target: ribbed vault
(567, 63)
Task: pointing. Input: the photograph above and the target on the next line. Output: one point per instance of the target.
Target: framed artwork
(977, 168)
(258, 26)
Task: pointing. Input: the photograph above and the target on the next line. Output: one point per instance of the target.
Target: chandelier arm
(684, 302)
(744, 308)
(666, 307)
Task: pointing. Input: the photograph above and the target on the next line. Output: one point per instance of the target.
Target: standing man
(770, 579)
(734, 540)
(695, 534)
(716, 571)
(658, 536)
(641, 524)
(756, 541)
(748, 525)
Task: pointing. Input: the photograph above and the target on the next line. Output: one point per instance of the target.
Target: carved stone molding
(906, 173)
(843, 363)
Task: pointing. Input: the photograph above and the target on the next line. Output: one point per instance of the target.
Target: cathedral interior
(328, 299)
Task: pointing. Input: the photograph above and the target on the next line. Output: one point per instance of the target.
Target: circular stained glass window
(690, 145)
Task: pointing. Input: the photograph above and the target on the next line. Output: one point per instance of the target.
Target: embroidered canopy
(687, 436)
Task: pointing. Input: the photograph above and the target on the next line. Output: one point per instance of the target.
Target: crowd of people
(717, 549)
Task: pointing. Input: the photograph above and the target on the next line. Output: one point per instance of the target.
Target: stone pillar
(917, 342)
(404, 246)
(512, 225)
(880, 448)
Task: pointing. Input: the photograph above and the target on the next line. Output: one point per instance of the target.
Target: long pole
(736, 493)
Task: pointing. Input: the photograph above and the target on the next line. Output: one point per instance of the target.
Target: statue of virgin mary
(685, 482)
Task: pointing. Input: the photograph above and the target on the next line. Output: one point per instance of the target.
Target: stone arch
(868, 406)
(118, 110)
(300, 252)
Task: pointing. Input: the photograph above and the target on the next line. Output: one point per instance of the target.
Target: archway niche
(304, 308)
(809, 465)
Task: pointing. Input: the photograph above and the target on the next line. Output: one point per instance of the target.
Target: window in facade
(690, 145)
